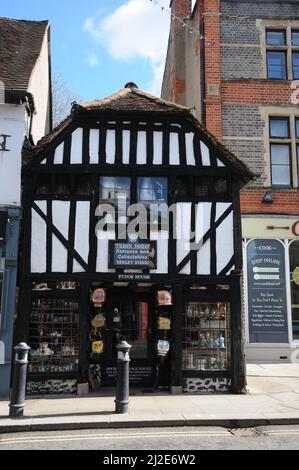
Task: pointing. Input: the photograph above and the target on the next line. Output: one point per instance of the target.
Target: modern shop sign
(137, 254)
(139, 376)
(267, 306)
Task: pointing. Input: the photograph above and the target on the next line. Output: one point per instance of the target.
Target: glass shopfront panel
(206, 339)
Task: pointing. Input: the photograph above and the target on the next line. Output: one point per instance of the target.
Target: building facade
(240, 69)
(25, 116)
(86, 277)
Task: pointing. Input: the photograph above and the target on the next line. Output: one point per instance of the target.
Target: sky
(99, 45)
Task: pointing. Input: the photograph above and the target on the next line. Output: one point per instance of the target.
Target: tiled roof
(132, 99)
(20, 46)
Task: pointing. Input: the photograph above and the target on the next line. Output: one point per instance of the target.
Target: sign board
(267, 306)
(138, 376)
(132, 254)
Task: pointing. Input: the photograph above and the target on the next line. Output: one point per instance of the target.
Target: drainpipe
(203, 74)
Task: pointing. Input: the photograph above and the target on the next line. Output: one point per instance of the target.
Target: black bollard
(122, 381)
(17, 399)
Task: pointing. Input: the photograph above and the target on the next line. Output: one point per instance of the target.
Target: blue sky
(99, 45)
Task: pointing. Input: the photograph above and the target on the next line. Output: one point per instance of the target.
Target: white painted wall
(39, 87)
(13, 123)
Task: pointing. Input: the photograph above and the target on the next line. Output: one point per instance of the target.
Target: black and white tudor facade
(141, 149)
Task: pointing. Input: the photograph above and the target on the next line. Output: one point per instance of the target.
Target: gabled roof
(131, 99)
(20, 46)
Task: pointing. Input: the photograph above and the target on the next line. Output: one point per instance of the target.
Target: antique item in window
(98, 297)
(164, 298)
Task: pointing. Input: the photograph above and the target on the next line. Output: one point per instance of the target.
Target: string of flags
(183, 23)
(190, 28)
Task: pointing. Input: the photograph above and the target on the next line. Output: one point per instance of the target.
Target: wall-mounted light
(267, 199)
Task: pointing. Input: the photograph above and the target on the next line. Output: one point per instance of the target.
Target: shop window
(43, 187)
(54, 336)
(294, 272)
(206, 340)
(82, 185)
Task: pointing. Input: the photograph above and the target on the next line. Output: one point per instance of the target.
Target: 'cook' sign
(267, 306)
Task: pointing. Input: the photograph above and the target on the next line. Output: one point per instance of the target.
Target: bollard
(17, 400)
(122, 381)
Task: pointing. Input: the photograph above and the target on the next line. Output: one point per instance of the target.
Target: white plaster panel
(103, 252)
(58, 156)
(126, 147)
(174, 150)
(183, 227)
(77, 146)
(38, 240)
(224, 242)
(94, 137)
(60, 217)
(189, 137)
(205, 154)
(82, 233)
(141, 148)
(158, 148)
(110, 146)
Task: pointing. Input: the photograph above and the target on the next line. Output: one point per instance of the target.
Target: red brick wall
(261, 92)
(283, 202)
(213, 66)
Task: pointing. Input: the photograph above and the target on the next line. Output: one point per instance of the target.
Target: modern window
(282, 53)
(115, 190)
(294, 275)
(152, 192)
(280, 151)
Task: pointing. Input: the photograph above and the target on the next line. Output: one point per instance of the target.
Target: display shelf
(56, 350)
(206, 340)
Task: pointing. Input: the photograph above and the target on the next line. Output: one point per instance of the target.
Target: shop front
(272, 288)
(132, 230)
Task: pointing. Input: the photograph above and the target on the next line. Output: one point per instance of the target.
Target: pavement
(272, 399)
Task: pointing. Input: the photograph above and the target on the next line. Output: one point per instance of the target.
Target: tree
(63, 97)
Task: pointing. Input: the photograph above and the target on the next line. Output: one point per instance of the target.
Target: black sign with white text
(132, 254)
(267, 305)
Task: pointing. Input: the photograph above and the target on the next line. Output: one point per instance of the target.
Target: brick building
(239, 68)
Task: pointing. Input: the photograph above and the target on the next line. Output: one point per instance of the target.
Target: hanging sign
(132, 254)
(267, 305)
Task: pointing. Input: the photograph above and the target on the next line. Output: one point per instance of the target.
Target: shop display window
(54, 336)
(206, 341)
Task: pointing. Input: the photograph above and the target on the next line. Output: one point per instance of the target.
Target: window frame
(288, 27)
(280, 185)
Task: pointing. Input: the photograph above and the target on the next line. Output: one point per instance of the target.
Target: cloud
(136, 29)
(92, 60)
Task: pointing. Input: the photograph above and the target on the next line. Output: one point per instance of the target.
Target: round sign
(295, 276)
(98, 297)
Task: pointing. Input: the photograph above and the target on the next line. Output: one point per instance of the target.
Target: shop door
(135, 312)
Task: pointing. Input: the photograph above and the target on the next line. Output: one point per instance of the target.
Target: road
(182, 438)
